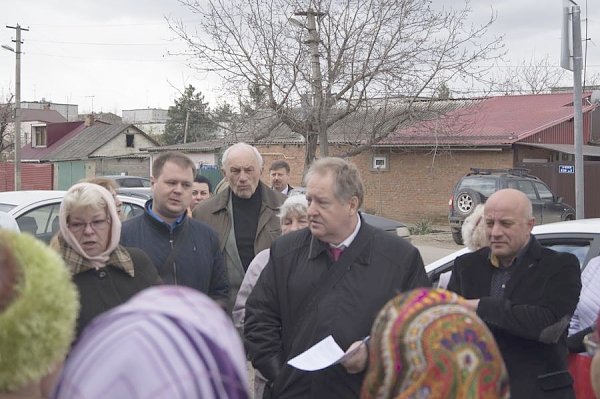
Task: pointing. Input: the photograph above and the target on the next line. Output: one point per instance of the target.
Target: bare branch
(367, 50)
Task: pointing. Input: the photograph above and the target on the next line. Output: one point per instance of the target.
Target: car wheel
(570, 217)
(457, 237)
(466, 201)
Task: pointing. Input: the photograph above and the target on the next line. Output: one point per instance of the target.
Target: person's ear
(531, 223)
(353, 205)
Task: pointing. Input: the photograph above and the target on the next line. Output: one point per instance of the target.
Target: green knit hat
(38, 308)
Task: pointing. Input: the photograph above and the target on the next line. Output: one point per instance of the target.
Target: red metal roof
(57, 134)
(492, 121)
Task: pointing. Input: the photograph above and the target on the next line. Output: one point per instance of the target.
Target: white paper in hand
(322, 355)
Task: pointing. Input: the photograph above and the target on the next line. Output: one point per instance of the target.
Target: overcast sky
(116, 54)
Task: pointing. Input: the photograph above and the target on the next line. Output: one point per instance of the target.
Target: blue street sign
(566, 168)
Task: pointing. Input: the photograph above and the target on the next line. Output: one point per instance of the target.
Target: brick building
(410, 174)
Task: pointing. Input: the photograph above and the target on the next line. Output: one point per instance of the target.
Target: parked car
(390, 225)
(130, 181)
(579, 237)
(140, 192)
(36, 212)
(476, 186)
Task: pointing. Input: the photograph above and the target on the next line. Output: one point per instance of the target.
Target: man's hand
(357, 360)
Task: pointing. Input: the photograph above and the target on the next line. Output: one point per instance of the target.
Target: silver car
(36, 211)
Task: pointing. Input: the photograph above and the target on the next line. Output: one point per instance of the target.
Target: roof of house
(66, 130)
(360, 126)
(201, 146)
(106, 117)
(41, 115)
(494, 121)
(587, 150)
(89, 140)
(78, 143)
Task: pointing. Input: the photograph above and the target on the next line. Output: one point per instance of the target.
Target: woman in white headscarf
(106, 273)
(166, 342)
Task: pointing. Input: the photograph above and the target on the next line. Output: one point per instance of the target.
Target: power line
(75, 57)
(99, 43)
(101, 25)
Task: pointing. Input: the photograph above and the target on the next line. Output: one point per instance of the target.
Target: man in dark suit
(525, 293)
(279, 173)
(309, 291)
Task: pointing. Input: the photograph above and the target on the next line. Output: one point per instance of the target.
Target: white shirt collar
(346, 243)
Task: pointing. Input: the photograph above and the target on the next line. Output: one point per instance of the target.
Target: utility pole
(316, 77)
(17, 52)
(571, 59)
(578, 116)
(185, 128)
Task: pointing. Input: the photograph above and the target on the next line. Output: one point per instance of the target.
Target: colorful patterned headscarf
(166, 342)
(427, 344)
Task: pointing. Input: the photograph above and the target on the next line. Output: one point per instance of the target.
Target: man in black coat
(525, 293)
(308, 291)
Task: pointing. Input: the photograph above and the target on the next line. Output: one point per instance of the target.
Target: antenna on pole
(92, 97)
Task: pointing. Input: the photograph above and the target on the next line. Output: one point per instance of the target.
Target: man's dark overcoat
(282, 321)
(530, 321)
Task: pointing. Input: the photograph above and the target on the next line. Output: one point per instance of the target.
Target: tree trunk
(311, 150)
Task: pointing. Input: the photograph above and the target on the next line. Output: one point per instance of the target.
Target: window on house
(129, 140)
(38, 136)
(380, 162)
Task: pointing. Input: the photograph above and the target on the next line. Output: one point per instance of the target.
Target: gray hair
(294, 205)
(347, 179)
(241, 146)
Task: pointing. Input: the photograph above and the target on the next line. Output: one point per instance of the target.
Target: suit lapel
(523, 269)
(356, 252)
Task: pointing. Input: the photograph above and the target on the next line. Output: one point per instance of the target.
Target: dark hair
(280, 164)
(178, 158)
(204, 179)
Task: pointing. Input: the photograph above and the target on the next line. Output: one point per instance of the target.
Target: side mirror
(560, 199)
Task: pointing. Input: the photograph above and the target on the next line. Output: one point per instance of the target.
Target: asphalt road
(431, 253)
(435, 246)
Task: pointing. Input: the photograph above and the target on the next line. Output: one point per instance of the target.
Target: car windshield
(6, 207)
(483, 185)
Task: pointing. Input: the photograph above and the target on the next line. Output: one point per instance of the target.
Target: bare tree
(6, 133)
(535, 76)
(337, 57)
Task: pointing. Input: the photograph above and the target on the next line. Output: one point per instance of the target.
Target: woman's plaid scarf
(76, 263)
